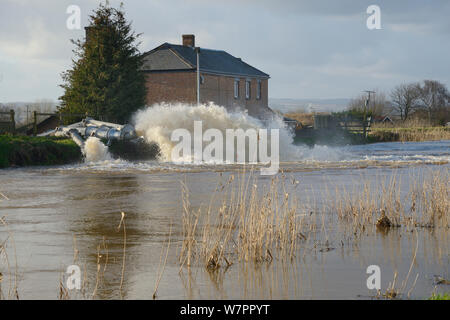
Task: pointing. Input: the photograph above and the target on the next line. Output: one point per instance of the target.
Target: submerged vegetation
(26, 151)
(246, 227)
(244, 224)
(427, 204)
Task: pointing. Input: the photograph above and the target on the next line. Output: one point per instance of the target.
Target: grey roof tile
(212, 61)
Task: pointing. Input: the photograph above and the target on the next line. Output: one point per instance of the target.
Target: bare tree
(3, 107)
(405, 98)
(433, 96)
(377, 107)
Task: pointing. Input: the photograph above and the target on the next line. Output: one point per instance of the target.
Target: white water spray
(95, 150)
(156, 124)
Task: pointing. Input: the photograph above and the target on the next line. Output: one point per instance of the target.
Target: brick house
(171, 76)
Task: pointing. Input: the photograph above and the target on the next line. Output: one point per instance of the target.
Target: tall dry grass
(241, 223)
(410, 134)
(409, 123)
(414, 129)
(250, 222)
(94, 283)
(426, 204)
(11, 272)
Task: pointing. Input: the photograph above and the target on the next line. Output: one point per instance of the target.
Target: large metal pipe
(76, 137)
(102, 130)
(97, 123)
(127, 132)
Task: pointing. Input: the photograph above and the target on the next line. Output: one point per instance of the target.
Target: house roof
(171, 57)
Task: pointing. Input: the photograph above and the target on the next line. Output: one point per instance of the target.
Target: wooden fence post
(369, 120)
(364, 125)
(34, 123)
(13, 122)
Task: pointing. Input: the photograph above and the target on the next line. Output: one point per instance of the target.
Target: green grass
(27, 151)
(445, 296)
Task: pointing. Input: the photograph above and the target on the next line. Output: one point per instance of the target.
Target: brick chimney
(189, 40)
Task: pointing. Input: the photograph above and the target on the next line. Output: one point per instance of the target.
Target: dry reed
(426, 204)
(161, 267)
(12, 272)
(244, 225)
(91, 285)
(122, 222)
(405, 134)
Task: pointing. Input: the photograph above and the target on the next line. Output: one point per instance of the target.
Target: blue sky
(311, 49)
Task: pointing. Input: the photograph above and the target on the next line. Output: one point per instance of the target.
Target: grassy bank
(409, 134)
(27, 151)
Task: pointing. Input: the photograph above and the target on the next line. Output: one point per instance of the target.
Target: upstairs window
(258, 90)
(247, 89)
(236, 88)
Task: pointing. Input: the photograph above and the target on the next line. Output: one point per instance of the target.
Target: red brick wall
(181, 87)
(220, 90)
(171, 87)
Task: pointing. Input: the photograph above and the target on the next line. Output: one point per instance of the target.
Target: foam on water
(95, 150)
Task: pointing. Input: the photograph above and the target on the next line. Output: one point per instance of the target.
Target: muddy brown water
(60, 216)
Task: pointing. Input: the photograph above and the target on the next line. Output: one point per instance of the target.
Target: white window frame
(258, 90)
(236, 88)
(247, 89)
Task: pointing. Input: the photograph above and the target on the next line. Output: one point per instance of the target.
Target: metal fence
(352, 124)
(8, 123)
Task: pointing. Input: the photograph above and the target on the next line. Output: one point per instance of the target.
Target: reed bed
(387, 134)
(426, 204)
(409, 123)
(250, 222)
(243, 224)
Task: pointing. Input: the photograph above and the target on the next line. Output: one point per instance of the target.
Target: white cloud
(311, 49)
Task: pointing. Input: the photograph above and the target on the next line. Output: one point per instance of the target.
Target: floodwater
(69, 215)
